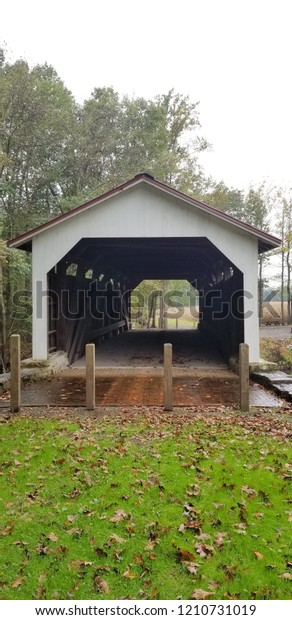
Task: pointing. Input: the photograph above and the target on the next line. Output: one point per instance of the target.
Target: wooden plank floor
(144, 386)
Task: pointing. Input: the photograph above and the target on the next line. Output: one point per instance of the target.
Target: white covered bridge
(141, 230)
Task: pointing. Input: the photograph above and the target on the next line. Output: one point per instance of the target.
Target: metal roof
(265, 240)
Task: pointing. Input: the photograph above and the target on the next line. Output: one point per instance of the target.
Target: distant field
(272, 315)
(272, 312)
(187, 320)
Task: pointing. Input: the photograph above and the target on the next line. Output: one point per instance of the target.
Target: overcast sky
(233, 56)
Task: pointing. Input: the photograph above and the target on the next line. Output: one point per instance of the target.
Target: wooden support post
(15, 398)
(168, 377)
(90, 376)
(244, 376)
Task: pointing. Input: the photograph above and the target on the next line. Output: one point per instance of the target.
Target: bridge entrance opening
(103, 288)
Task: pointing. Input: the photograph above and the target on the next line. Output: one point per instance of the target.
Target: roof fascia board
(29, 235)
(225, 217)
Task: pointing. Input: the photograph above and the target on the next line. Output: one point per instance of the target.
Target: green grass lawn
(145, 506)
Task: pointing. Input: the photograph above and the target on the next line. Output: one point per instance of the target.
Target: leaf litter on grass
(146, 505)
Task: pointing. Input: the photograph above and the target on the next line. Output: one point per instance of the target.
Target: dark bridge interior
(90, 289)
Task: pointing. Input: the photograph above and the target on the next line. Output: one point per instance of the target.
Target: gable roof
(265, 240)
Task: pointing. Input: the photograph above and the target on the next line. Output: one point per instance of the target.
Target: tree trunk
(282, 284)
(3, 334)
(289, 301)
(261, 287)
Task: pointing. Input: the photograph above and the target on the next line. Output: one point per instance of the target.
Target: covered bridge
(86, 263)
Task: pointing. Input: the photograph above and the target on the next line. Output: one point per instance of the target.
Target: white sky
(233, 56)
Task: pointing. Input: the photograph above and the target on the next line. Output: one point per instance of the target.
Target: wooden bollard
(15, 390)
(90, 376)
(244, 376)
(168, 377)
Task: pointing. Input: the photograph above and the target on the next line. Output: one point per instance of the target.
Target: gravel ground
(276, 331)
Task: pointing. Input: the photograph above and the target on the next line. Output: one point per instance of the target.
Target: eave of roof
(266, 241)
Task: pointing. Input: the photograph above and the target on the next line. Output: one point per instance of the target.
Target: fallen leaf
(144, 573)
(203, 536)
(191, 567)
(79, 564)
(193, 493)
(100, 552)
(286, 576)
(120, 515)
(240, 528)
(61, 549)
(200, 595)
(229, 596)
(258, 515)
(228, 486)
(193, 525)
(42, 549)
(129, 575)
(153, 594)
(100, 585)
(190, 508)
(230, 570)
(258, 555)
(204, 551)
(243, 514)
(75, 531)
(117, 555)
(42, 578)
(115, 539)
(219, 539)
(51, 536)
(151, 544)
(184, 555)
(7, 530)
(71, 518)
(18, 582)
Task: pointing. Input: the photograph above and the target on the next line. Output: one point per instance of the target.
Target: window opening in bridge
(165, 304)
(89, 274)
(72, 269)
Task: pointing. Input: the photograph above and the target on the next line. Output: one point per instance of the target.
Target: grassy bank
(277, 351)
(145, 506)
